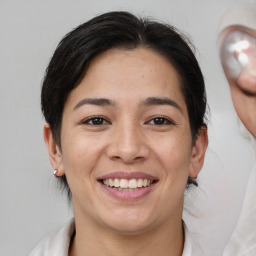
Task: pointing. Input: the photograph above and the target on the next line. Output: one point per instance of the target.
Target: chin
(130, 222)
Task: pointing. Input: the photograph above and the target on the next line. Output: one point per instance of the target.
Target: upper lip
(128, 176)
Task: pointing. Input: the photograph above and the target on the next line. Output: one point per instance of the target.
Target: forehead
(129, 75)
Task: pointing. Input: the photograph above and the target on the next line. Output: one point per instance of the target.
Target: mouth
(127, 185)
(124, 185)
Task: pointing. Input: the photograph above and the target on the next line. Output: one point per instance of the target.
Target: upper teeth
(124, 183)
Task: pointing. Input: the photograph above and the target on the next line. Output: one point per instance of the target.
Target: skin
(127, 140)
(243, 88)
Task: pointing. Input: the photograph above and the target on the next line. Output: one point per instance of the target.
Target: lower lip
(128, 195)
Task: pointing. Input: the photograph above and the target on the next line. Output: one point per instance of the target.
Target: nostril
(127, 148)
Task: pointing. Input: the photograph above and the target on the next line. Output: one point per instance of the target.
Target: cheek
(80, 155)
(174, 154)
(80, 159)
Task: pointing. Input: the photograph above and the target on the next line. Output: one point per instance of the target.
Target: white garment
(243, 238)
(58, 243)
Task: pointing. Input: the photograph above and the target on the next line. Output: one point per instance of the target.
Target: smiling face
(126, 144)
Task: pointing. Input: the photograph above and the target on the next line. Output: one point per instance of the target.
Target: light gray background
(30, 205)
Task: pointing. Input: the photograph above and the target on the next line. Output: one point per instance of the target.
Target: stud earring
(54, 172)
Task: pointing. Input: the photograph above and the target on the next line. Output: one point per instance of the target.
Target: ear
(198, 152)
(54, 151)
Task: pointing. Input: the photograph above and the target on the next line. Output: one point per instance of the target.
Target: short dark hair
(122, 30)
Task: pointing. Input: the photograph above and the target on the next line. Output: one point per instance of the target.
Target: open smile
(128, 185)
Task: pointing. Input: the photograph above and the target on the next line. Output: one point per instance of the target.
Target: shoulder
(57, 243)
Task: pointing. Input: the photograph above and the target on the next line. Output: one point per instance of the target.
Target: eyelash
(161, 121)
(99, 120)
(89, 121)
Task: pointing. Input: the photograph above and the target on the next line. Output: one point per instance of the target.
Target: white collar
(56, 244)
(188, 246)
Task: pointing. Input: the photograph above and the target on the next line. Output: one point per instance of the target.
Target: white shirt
(243, 239)
(58, 243)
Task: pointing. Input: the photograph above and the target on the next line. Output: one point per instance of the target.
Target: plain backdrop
(30, 204)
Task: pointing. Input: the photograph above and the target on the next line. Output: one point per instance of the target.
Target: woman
(124, 101)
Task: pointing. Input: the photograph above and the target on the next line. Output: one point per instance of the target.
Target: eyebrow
(94, 101)
(161, 101)
(148, 102)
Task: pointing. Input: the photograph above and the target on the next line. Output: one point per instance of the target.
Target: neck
(90, 239)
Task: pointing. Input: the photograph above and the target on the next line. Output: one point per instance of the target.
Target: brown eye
(160, 121)
(96, 121)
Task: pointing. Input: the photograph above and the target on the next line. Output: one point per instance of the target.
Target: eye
(159, 120)
(96, 120)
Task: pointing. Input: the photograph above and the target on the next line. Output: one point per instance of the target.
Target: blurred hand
(238, 57)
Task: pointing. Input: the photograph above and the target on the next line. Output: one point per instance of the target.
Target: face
(126, 145)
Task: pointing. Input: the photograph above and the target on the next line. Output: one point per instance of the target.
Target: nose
(127, 144)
